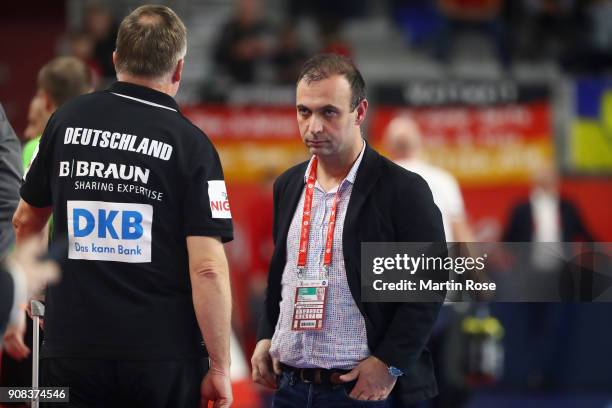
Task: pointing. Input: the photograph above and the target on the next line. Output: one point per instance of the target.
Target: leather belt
(320, 376)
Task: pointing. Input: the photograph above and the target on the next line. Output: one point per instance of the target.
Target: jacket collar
(368, 172)
(144, 95)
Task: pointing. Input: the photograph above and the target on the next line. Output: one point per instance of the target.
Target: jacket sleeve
(412, 322)
(580, 230)
(271, 308)
(7, 293)
(10, 174)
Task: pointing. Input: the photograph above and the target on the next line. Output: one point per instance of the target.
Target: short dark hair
(64, 78)
(151, 40)
(323, 66)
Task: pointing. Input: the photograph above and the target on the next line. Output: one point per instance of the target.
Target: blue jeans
(293, 393)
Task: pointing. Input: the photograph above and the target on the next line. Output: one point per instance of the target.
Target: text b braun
(106, 231)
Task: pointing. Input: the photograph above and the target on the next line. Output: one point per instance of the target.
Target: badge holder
(309, 304)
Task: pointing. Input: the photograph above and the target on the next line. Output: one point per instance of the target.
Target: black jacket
(520, 225)
(388, 203)
(6, 298)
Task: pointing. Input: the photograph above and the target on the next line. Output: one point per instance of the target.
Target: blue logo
(130, 226)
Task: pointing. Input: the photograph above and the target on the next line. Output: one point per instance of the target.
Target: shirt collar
(143, 94)
(352, 174)
(539, 196)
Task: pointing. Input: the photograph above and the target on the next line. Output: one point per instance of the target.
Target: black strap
(316, 375)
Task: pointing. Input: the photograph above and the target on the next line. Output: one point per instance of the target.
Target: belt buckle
(304, 380)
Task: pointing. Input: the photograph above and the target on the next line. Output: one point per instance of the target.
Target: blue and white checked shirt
(342, 343)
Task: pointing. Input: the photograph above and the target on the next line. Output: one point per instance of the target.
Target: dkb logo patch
(104, 231)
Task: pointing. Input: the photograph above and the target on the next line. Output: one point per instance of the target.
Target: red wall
(29, 32)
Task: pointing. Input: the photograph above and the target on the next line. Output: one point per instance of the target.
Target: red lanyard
(305, 230)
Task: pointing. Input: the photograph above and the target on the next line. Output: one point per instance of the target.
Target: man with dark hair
(353, 352)
(138, 192)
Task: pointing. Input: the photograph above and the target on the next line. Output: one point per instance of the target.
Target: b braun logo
(105, 231)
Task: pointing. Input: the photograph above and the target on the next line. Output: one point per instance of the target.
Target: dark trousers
(15, 373)
(294, 393)
(108, 383)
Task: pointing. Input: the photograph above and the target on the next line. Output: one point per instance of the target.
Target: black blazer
(388, 203)
(520, 225)
(6, 298)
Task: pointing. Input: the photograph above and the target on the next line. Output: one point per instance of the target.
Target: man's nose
(316, 125)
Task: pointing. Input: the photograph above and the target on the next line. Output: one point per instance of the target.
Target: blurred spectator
(549, 28)
(330, 17)
(594, 55)
(58, 81)
(37, 119)
(403, 140)
(600, 15)
(100, 25)
(546, 216)
(331, 37)
(10, 180)
(243, 44)
(22, 275)
(548, 219)
(481, 15)
(289, 56)
(82, 46)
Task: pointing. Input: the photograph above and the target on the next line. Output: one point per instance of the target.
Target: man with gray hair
(138, 192)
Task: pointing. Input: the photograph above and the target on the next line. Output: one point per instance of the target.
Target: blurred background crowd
(512, 99)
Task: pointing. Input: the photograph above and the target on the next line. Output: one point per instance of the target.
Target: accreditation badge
(309, 305)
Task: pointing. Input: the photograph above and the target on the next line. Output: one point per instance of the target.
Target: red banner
(479, 145)
(254, 143)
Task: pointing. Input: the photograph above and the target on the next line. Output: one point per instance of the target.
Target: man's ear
(178, 71)
(115, 60)
(361, 109)
(49, 103)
